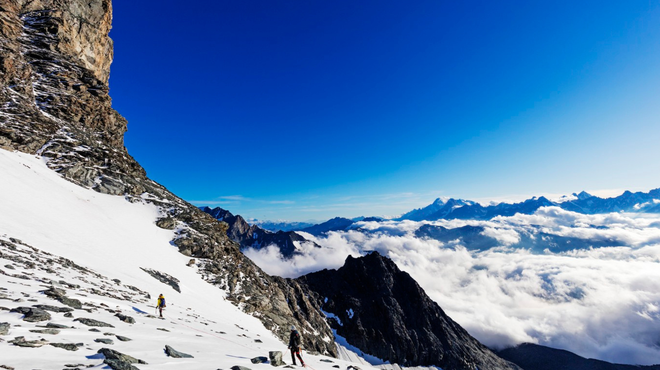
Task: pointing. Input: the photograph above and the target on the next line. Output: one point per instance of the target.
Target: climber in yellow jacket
(160, 304)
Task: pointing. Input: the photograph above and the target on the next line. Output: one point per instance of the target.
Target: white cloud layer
(601, 302)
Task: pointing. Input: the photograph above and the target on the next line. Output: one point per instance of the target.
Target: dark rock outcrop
(92, 322)
(535, 357)
(66, 346)
(171, 352)
(163, 278)
(384, 312)
(32, 314)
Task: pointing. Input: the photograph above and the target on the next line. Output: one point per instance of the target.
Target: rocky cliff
(384, 312)
(55, 58)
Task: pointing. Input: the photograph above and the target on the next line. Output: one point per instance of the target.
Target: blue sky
(310, 110)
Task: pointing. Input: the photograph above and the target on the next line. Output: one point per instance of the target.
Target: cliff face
(54, 67)
(55, 58)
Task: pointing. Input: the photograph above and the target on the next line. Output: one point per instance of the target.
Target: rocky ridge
(54, 102)
(384, 312)
(253, 236)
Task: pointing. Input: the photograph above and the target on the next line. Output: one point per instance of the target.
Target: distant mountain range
(280, 225)
(462, 209)
(583, 202)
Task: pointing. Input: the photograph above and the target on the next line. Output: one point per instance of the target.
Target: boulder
(171, 352)
(104, 341)
(111, 354)
(21, 342)
(259, 360)
(126, 319)
(32, 314)
(4, 328)
(276, 358)
(92, 322)
(66, 346)
(53, 308)
(238, 367)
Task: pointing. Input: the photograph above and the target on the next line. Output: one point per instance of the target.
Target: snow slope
(43, 214)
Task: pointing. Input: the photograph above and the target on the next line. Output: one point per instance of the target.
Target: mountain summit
(384, 312)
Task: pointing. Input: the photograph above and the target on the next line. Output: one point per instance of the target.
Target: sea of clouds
(599, 302)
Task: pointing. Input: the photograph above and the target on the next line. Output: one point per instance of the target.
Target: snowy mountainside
(97, 249)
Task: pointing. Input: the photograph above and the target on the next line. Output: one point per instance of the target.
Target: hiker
(294, 346)
(160, 304)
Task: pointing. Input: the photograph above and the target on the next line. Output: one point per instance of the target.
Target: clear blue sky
(313, 109)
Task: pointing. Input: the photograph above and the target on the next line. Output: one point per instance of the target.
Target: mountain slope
(384, 312)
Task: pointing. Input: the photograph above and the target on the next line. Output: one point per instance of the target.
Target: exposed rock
(259, 360)
(126, 319)
(111, 354)
(163, 278)
(119, 365)
(66, 346)
(238, 367)
(53, 308)
(71, 302)
(60, 295)
(21, 342)
(32, 314)
(92, 322)
(385, 313)
(104, 340)
(167, 223)
(4, 328)
(275, 358)
(123, 338)
(174, 353)
(57, 326)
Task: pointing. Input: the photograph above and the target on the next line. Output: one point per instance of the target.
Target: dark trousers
(160, 310)
(296, 352)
